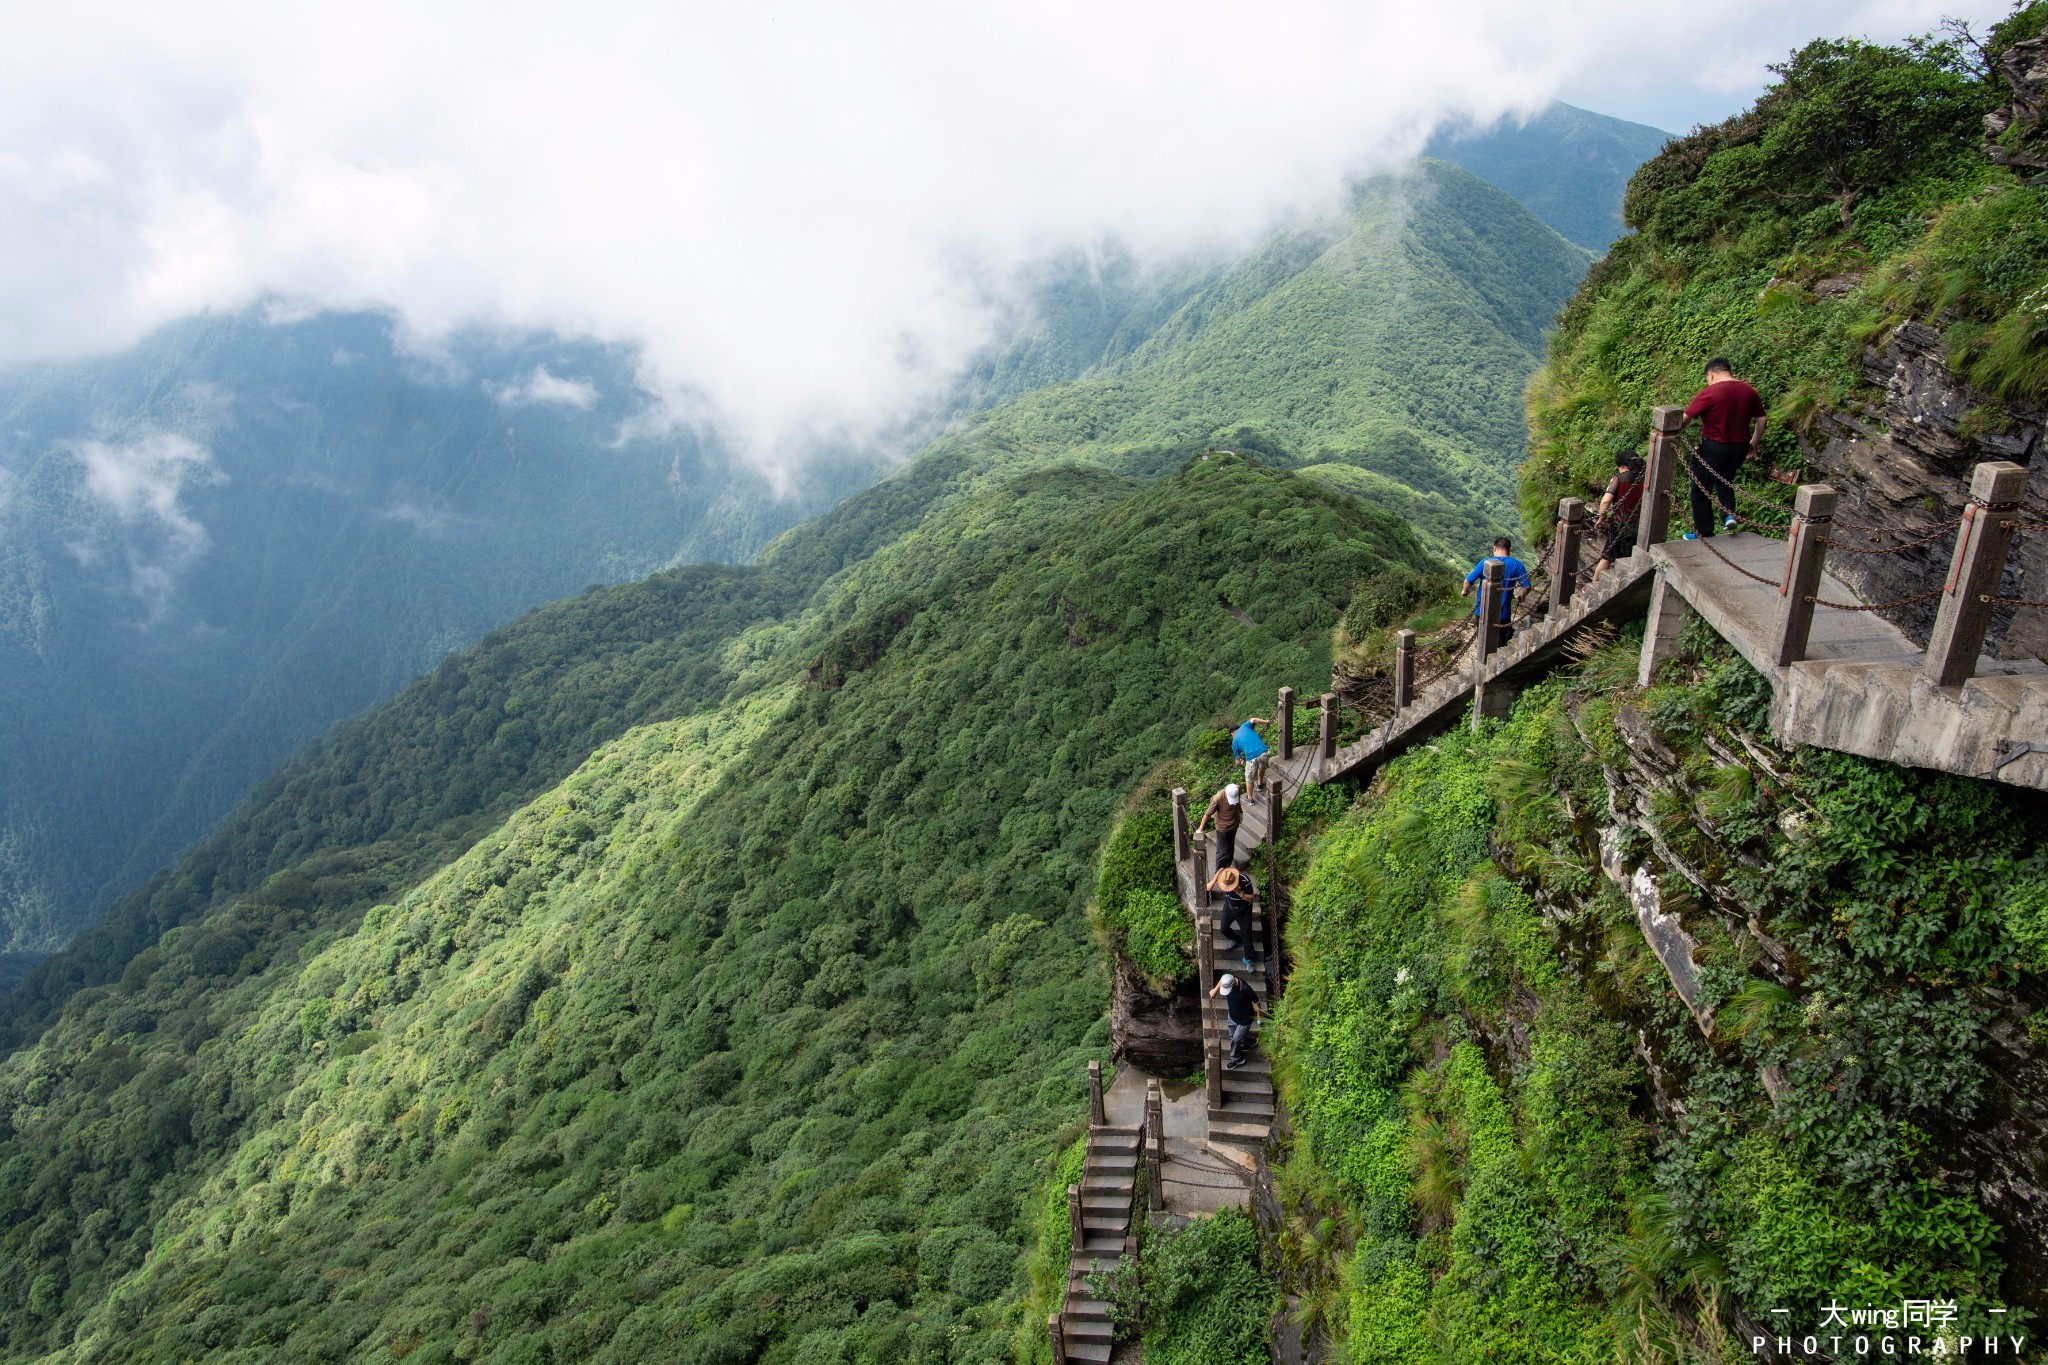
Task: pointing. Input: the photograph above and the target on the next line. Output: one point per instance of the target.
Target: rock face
(1906, 464)
(1162, 1036)
(2002, 1148)
(2017, 135)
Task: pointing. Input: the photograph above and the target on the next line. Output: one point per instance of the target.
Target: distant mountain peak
(1568, 166)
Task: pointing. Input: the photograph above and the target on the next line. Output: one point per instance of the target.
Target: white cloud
(140, 484)
(793, 208)
(543, 387)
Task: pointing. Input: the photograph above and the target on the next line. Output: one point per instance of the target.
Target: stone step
(1095, 1352)
(1245, 1108)
(1227, 1128)
(1107, 1245)
(1112, 1140)
(1088, 1318)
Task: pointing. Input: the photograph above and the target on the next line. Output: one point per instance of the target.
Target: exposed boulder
(1162, 1035)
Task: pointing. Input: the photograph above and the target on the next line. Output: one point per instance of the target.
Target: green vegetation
(739, 1043)
(392, 795)
(366, 520)
(344, 517)
(1567, 166)
(1854, 195)
(1475, 1169)
(1199, 1294)
(1390, 343)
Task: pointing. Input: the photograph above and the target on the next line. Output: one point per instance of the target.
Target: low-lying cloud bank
(802, 213)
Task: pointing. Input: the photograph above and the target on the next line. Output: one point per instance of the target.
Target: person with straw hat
(1238, 894)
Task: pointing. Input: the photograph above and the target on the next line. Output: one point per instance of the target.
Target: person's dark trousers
(1226, 849)
(1240, 1034)
(1237, 925)
(1713, 483)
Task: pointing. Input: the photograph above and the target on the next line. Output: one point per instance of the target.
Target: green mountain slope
(356, 515)
(1395, 340)
(740, 1043)
(1567, 166)
(1794, 239)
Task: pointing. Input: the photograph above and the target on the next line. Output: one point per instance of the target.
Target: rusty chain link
(1875, 606)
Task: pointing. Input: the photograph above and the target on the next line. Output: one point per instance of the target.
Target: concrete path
(1860, 689)
(1197, 1181)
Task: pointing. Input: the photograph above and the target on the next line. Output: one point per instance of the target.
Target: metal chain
(1708, 541)
(1933, 532)
(1839, 548)
(1766, 528)
(1877, 606)
(1692, 455)
(2011, 601)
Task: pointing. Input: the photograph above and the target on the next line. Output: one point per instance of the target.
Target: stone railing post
(1813, 508)
(1212, 1061)
(1275, 807)
(1098, 1116)
(1654, 520)
(1155, 1144)
(1664, 628)
(1404, 669)
(1982, 543)
(1491, 586)
(1077, 1228)
(1180, 824)
(1285, 716)
(1564, 568)
(1205, 944)
(1329, 730)
(1059, 1339)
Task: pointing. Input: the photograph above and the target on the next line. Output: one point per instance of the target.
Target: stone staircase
(1099, 1212)
(1240, 1098)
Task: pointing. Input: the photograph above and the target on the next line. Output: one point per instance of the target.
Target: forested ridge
(342, 514)
(700, 969)
(1619, 1028)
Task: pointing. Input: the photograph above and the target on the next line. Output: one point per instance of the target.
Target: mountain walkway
(1842, 677)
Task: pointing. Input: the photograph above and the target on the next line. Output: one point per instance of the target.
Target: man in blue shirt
(1513, 575)
(1249, 746)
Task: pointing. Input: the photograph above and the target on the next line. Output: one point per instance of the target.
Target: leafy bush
(1200, 1294)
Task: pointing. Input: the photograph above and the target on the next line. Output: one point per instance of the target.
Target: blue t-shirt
(1512, 576)
(1245, 743)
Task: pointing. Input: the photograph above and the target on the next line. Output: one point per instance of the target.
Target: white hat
(1230, 793)
(1227, 982)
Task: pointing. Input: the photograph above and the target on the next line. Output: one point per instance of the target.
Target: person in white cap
(1243, 1011)
(1227, 807)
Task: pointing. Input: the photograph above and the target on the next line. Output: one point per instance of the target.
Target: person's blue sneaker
(1692, 535)
(1247, 963)
(1727, 523)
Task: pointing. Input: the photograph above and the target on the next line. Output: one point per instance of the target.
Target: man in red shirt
(1731, 418)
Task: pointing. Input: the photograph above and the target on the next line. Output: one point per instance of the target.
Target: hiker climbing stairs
(1240, 1098)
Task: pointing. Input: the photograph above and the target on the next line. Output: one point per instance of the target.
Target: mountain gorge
(729, 924)
(225, 541)
(216, 545)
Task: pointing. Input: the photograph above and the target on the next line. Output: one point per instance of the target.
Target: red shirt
(1627, 491)
(1725, 410)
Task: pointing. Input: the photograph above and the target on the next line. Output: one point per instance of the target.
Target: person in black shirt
(1238, 895)
(1243, 1012)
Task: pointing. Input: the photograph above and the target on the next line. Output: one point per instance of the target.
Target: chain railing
(1967, 592)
